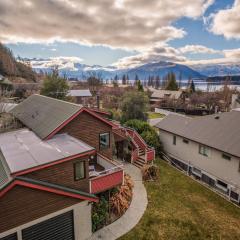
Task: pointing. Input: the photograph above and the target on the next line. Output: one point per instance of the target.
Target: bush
(99, 214)
(120, 200)
(147, 132)
(149, 172)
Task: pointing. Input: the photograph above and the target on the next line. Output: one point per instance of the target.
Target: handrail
(109, 160)
(108, 171)
(135, 133)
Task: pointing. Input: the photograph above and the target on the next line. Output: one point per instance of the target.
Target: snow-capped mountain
(218, 69)
(73, 68)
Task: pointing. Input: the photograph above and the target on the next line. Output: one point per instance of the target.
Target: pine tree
(157, 82)
(124, 80)
(171, 82)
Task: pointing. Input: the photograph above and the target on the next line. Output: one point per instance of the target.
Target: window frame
(174, 140)
(84, 170)
(226, 156)
(104, 147)
(204, 152)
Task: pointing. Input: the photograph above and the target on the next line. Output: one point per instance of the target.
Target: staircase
(142, 153)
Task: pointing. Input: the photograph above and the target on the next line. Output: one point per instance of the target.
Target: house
(206, 147)
(81, 95)
(161, 96)
(235, 103)
(53, 168)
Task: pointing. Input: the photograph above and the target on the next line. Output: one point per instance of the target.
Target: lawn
(180, 208)
(153, 115)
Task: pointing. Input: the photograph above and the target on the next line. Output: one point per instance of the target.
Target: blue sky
(150, 37)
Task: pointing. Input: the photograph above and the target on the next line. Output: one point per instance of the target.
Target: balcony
(105, 174)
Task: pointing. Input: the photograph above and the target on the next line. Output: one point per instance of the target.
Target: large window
(203, 150)
(79, 170)
(104, 139)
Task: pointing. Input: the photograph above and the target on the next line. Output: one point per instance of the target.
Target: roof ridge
(58, 100)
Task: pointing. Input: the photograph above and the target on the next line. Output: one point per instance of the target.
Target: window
(104, 139)
(221, 184)
(203, 150)
(185, 141)
(226, 156)
(174, 140)
(79, 170)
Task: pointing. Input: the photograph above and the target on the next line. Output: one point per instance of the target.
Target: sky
(123, 33)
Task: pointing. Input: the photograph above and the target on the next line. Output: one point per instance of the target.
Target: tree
(94, 82)
(136, 80)
(157, 82)
(124, 79)
(192, 87)
(55, 86)
(139, 86)
(134, 106)
(171, 82)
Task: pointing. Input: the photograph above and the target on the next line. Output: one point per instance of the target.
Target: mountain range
(73, 68)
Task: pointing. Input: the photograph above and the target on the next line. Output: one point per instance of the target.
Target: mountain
(211, 70)
(73, 68)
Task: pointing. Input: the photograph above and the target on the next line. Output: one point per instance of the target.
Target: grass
(180, 208)
(153, 115)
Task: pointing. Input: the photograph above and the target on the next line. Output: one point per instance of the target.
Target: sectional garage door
(56, 228)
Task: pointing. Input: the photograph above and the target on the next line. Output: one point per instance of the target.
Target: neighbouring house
(80, 95)
(5, 84)
(235, 101)
(161, 97)
(53, 168)
(206, 147)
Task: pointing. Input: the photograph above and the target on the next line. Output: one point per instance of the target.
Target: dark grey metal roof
(44, 114)
(79, 93)
(23, 149)
(56, 186)
(220, 131)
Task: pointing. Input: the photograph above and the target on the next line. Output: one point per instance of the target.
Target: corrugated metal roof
(23, 149)
(79, 93)
(4, 172)
(220, 131)
(44, 114)
(165, 93)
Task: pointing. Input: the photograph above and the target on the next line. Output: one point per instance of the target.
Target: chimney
(98, 101)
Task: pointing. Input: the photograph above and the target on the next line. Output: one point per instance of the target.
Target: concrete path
(134, 213)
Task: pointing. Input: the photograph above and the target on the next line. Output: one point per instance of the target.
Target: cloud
(196, 49)
(227, 22)
(63, 63)
(159, 52)
(132, 24)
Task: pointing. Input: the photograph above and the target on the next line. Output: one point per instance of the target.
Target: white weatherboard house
(207, 147)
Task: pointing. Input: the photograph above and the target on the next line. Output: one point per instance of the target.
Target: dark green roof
(44, 114)
(56, 186)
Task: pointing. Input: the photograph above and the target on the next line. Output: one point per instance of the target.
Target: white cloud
(132, 24)
(159, 52)
(62, 62)
(227, 22)
(196, 49)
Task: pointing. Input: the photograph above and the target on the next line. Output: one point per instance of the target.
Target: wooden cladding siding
(63, 174)
(87, 128)
(22, 205)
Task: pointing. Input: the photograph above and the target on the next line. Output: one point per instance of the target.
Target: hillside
(14, 69)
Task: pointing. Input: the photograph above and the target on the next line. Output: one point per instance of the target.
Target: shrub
(149, 172)
(99, 213)
(147, 132)
(120, 201)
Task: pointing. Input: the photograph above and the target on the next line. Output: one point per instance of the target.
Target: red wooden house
(53, 167)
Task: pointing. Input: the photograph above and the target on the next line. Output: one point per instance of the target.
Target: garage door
(10, 237)
(56, 228)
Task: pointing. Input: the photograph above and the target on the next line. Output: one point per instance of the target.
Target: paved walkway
(134, 213)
